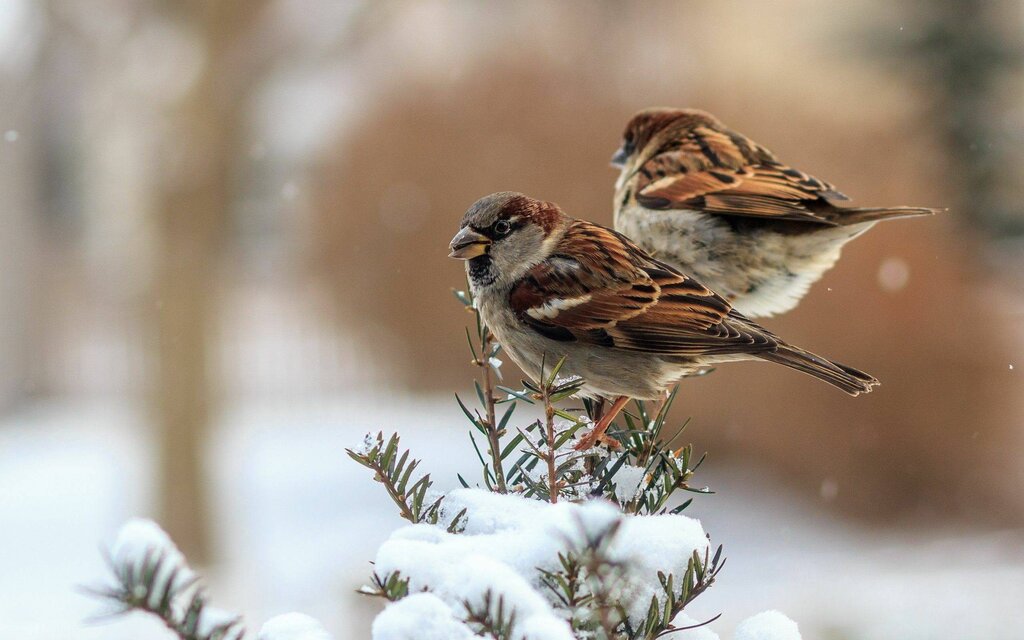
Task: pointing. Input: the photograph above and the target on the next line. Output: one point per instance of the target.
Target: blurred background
(223, 259)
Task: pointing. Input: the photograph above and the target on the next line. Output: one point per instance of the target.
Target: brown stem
(493, 437)
(549, 412)
(403, 507)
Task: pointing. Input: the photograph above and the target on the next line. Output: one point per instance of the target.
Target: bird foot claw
(592, 438)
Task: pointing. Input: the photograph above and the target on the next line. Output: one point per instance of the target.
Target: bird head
(504, 234)
(649, 130)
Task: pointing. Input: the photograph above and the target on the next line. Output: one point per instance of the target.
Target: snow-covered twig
(395, 471)
(551, 390)
(151, 575)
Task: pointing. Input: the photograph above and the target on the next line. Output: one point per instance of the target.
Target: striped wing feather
(600, 288)
(723, 172)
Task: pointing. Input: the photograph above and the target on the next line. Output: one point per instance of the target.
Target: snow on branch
(292, 626)
(520, 564)
(395, 471)
(767, 625)
(151, 575)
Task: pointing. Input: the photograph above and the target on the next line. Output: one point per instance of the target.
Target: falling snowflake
(893, 274)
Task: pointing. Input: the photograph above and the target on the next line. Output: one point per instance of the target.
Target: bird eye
(501, 227)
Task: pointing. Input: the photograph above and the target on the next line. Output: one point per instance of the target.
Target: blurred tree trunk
(20, 257)
(195, 194)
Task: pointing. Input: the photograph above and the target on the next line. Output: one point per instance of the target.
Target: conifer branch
(494, 433)
(491, 618)
(158, 582)
(392, 587)
(395, 473)
(485, 354)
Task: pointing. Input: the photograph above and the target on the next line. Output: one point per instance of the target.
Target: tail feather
(870, 214)
(848, 379)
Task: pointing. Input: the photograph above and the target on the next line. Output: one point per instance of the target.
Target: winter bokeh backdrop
(223, 261)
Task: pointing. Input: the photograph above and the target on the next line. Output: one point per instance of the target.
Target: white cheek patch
(621, 180)
(553, 307)
(548, 245)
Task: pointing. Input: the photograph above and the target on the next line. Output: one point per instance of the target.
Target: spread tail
(848, 379)
(872, 214)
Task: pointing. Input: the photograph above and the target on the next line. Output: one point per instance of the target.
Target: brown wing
(600, 288)
(722, 172)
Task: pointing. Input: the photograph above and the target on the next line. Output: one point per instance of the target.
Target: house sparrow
(549, 286)
(719, 206)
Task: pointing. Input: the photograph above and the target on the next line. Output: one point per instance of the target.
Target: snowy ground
(298, 523)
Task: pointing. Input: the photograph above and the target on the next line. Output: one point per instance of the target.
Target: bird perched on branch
(550, 286)
(720, 207)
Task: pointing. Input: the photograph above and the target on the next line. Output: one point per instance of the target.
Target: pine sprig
(548, 443)
(392, 587)
(158, 583)
(395, 472)
(603, 576)
(645, 446)
(589, 587)
(701, 572)
(485, 356)
(491, 618)
(566, 583)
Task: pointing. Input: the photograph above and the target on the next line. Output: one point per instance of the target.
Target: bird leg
(602, 425)
(661, 404)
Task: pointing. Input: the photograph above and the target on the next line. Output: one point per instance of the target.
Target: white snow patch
(538, 628)
(767, 625)
(366, 446)
(628, 480)
(650, 544)
(421, 616)
(508, 537)
(213, 619)
(293, 626)
(697, 633)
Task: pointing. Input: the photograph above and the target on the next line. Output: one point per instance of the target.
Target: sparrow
(549, 286)
(719, 206)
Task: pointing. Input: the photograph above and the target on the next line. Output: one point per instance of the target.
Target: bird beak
(468, 244)
(620, 157)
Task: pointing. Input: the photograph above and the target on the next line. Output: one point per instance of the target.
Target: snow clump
(292, 626)
(767, 625)
(507, 539)
(141, 542)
